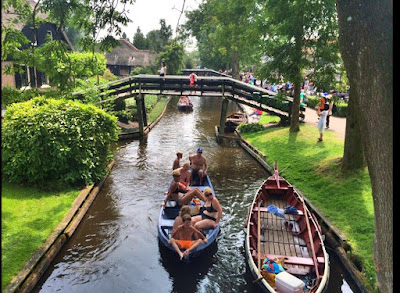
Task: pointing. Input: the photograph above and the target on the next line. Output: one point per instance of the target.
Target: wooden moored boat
(296, 238)
(185, 105)
(233, 120)
(170, 211)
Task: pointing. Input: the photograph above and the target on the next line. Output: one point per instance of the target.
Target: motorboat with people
(170, 211)
(184, 104)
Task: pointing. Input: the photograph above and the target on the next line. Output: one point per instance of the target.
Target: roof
(8, 15)
(128, 55)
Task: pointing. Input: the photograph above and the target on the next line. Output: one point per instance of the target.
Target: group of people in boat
(184, 100)
(187, 230)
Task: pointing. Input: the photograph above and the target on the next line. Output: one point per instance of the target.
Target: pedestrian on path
(330, 111)
(323, 109)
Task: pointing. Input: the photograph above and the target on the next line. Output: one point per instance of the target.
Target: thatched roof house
(30, 77)
(125, 57)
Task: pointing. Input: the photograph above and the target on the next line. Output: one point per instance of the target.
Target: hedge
(49, 140)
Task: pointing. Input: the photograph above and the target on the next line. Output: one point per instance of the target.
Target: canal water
(116, 248)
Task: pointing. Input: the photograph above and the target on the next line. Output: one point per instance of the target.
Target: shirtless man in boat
(186, 177)
(182, 237)
(198, 165)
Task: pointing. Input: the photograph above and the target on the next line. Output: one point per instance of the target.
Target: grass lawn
(157, 109)
(267, 118)
(314, 168)
(29, 216)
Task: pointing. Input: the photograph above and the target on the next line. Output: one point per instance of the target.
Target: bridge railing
(207, 85)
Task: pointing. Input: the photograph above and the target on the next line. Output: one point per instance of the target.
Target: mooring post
(224, 110)
(139, 106)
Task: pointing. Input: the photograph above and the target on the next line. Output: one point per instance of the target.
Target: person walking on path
(330, 110)
(322, 109)
(163, 70)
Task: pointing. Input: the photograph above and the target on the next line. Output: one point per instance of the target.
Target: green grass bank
(29, 215)
(345, 198)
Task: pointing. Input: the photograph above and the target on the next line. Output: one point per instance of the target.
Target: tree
(159, 39)
(224, 30)
(366, 45)
(125, 37)
(173, 57)
(139, 40)
(294, 32)
(88, 16)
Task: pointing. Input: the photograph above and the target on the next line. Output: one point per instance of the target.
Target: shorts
(195, 173)
(185, 244)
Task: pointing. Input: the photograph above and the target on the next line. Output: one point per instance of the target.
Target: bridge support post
(144, 111)
(224, 110)
(139, 106)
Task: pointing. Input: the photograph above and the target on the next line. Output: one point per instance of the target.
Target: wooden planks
(278, 239)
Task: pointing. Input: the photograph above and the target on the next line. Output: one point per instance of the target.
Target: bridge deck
(207, 86)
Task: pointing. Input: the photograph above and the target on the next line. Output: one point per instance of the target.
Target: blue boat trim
(165, 224)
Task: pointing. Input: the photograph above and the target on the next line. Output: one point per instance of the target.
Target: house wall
(6, 79)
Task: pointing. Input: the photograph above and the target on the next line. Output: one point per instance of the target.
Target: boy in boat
(198, 166)
(177, 163)
(182, 237)
(186, 176)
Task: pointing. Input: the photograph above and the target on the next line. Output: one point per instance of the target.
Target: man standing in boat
(198, 165)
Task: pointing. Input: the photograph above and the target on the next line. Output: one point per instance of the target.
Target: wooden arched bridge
(209, 84)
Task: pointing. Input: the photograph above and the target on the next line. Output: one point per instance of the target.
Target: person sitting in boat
(198, 166)
(212, 213)
(177, 164)
(182, 237)
(180, 198)
(186, 177)
(185, 210)
(184, 100)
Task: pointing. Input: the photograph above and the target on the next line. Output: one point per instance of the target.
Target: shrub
(251, 127)
(47, 140)
(10, 95)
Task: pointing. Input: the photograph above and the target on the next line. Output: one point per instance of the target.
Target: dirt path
(336, 124)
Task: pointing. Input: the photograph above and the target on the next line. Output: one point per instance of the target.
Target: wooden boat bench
(264, 209)
(293, 260)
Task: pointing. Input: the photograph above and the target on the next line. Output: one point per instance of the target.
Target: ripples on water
(116, 249)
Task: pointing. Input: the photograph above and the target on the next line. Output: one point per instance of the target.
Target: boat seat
(264, 209)
(293, 260)
(275, 187)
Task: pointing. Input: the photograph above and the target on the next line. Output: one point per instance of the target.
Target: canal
(116, 249)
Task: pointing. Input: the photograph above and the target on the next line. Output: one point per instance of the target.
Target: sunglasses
(208, 194)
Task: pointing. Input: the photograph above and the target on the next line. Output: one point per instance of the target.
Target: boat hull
(166, 220)
(184, 107)
(300, 256)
